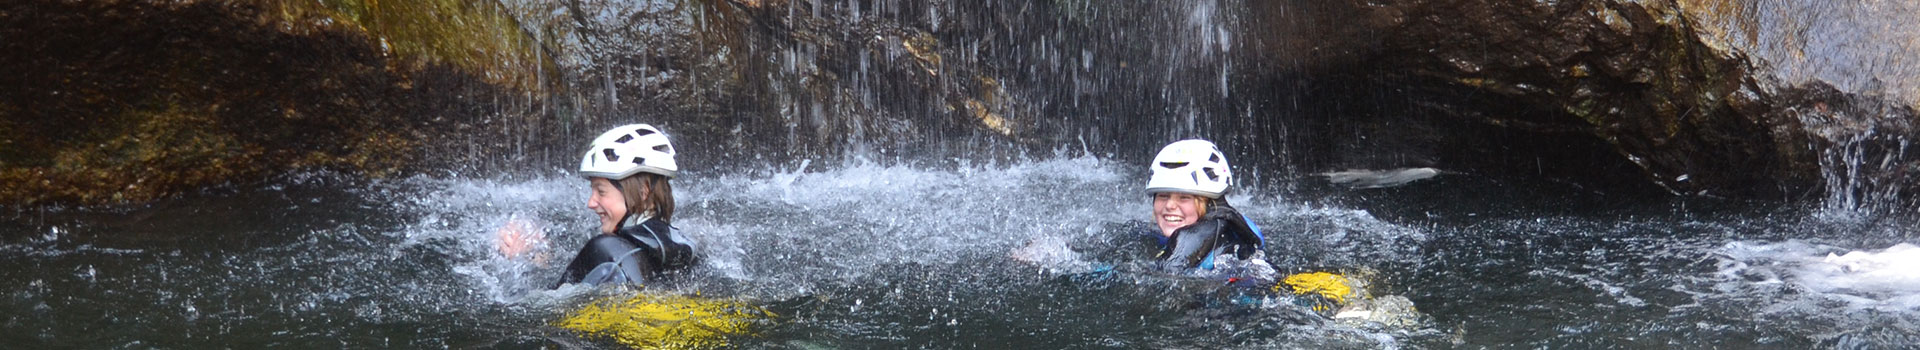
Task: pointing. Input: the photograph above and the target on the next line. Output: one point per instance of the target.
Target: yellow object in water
(666, 322)
(1331, 286)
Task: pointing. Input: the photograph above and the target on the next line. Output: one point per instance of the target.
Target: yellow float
(666, 322)
(1326, 293)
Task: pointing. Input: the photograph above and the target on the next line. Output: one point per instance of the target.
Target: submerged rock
(1379, 178)
(1391, 311)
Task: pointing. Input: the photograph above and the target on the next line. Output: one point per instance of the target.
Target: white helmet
(627, 150)
(1192, 167)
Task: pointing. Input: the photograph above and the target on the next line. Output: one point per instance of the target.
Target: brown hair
(1201, 209)
(648, 190)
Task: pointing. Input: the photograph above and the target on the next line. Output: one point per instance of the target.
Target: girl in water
(1193, 229)
(627, 171)
(1196, 228)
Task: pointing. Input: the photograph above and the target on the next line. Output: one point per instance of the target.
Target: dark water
(875, 256)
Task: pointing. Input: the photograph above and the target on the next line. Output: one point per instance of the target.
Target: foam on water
(461, 217)
(799, 228)
(871, 255)
(842, 224)
(1834, 296)
(941, 238)
(876, 256)
(1885, 279)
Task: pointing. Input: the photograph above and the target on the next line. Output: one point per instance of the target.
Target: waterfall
(1865, 158)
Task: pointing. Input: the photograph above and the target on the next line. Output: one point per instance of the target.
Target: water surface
(881, 256)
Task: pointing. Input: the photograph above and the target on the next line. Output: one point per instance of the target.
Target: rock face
(1593, 91)
(129, 100)
(1621, 96)
(748, 82)
(1616, 93)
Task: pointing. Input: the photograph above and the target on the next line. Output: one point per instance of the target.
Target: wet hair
(1201, 210)
(658, 195)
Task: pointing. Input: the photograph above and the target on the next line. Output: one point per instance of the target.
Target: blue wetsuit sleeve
(1259, 237)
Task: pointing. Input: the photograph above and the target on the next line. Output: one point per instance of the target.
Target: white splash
(1887, 279)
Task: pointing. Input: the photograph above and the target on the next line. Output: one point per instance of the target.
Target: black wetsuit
(1221, 232)
(633, 254)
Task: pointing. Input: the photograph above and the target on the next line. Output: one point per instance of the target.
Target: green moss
(174, 148)
(1584, 109)
(227, 92)
(481, 36)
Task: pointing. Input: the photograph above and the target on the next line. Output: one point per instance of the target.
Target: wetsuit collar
(635, 219)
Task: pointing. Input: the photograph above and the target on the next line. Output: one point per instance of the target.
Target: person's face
(1171, 211)
(606, 202)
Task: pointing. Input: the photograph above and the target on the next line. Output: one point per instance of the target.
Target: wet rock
(1590, 91)
(789, 81)
(1391, 311)
(1861, 145)
(128, 101)
(1615, 94)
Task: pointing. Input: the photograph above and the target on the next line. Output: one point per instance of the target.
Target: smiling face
(606, 201)
(1171, 211)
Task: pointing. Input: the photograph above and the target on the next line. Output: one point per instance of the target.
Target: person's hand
(520, 237)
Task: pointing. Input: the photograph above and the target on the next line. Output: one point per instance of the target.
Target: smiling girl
(627, 171)
(1196, 226)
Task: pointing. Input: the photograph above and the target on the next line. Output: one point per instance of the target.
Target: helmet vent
(610, 156)
(663, 149)
(1210, 175)
(624, 139)
(639, 160)
(1172, 165)
(642, 132)
(1214, 158)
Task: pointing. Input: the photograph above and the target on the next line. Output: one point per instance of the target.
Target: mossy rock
(129, 101)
